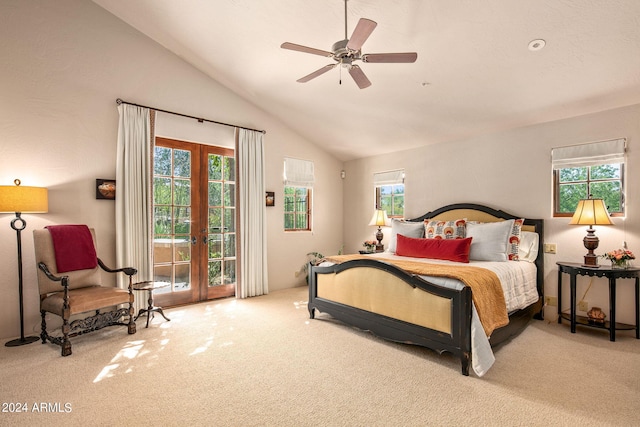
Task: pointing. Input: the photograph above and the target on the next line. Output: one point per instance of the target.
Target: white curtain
(252, 251)
(133, 195)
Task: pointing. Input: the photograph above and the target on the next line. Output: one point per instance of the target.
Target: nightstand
(575, 269)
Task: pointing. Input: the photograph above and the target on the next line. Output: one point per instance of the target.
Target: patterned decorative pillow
(513, 246)
(434, 229)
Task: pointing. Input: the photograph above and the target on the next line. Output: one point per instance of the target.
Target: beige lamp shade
(591, 212)
(380, 218)
(16, 198)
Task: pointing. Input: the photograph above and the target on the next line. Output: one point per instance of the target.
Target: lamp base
(591, 262)
(591, 242)
(21, 341)
(379, 236)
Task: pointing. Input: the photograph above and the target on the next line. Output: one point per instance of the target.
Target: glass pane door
(221, 223)
(193, 222)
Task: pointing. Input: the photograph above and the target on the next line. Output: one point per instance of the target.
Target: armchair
(69, 282)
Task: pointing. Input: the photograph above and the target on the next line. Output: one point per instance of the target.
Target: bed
(440, 306)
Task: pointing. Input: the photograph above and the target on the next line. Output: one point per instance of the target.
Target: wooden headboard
(480, 213)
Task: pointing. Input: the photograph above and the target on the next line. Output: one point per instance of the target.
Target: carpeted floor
(263, 362)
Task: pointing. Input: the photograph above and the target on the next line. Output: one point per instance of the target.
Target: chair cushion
(86, 299)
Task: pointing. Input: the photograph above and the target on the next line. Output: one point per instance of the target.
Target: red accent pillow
(451, 250)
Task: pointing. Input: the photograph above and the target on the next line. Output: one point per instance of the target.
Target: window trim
(388, 178)
(597, 153)
(377, 198)
(308, 213)
(588, 181)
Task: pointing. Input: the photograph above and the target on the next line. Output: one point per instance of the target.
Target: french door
(194, 222)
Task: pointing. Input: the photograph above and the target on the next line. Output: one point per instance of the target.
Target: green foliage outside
(296, 208)
(391, 199)
(599, 182)
(172, 209)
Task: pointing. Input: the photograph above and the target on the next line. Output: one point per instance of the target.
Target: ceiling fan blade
(317, 73)
(305, 49)
(362, 32)
(358, 76)
(390, 57)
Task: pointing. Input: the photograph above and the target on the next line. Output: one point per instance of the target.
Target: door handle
(194, 240)
(205, 240)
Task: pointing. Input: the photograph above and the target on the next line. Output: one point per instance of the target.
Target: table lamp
(21, 200)
(379, 219)
(591, 212)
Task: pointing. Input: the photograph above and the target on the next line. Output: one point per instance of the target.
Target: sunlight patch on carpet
(130, 351)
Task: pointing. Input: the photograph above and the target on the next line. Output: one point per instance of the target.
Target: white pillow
(490, 240)
(528, 250)
(406, 228)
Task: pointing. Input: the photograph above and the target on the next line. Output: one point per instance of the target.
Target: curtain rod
(199, 119)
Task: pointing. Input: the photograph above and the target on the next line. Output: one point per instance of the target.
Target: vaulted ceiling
(474, 74)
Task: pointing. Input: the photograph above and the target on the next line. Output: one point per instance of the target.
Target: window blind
(389, 177)
(594, 153)
(298, 173)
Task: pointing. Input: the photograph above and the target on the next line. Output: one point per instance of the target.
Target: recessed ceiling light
(537, 44)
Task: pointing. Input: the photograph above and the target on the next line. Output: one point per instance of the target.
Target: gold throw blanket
(486, 289)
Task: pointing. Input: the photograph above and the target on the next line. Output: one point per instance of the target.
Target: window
(298, 186)
(589, 170)
(297, 209)
(389, 188)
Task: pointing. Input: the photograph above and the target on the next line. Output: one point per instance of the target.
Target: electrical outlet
(551, 301)
(583, 306)
(550, 248)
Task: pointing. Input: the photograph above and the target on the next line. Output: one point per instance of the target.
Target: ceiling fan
(346, 52)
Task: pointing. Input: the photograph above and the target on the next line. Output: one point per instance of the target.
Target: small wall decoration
(106, 189)
(271, 198)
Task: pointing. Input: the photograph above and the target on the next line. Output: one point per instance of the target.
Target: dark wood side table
(575, 269)
(150, 287)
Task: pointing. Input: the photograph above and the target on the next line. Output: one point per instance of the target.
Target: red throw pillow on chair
(73, 246)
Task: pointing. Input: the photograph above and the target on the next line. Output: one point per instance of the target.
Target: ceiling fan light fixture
(345, 52)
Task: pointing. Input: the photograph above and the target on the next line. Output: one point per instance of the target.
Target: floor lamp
(22, 200)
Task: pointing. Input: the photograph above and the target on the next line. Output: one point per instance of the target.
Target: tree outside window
(390, 198)
(603, 181)
(297, 208)
(389, 191)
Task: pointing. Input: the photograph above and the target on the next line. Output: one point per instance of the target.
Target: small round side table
(150, 286)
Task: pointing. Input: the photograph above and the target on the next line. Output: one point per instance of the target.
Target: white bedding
(518, 279)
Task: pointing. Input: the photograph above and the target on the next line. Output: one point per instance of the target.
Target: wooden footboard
(390, 303)
(398, 306)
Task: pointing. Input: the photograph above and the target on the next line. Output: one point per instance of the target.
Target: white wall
(510, 171)
(63, 65)
(65, 62)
